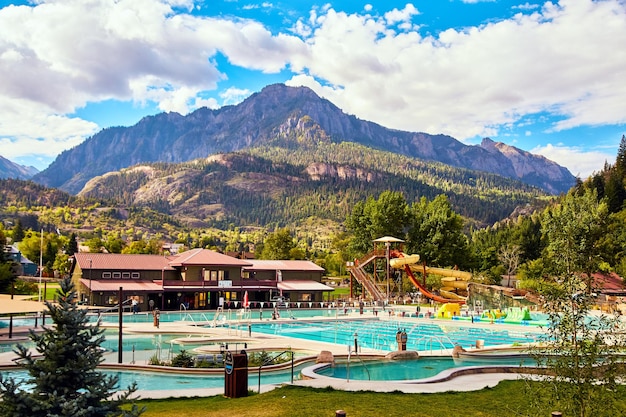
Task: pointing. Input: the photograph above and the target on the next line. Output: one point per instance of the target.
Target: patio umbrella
(246, 302)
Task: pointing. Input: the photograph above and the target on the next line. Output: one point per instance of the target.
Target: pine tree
(18, 231)
(620, 162)
(72, 245)
(65, 381)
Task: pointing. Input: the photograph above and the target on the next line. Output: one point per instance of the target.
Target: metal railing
(270, 361)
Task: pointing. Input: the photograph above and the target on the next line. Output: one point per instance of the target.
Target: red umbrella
(246, 302)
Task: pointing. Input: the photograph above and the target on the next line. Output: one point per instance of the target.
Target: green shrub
(183, 360)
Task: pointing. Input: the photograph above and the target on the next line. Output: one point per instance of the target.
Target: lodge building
(196, 279)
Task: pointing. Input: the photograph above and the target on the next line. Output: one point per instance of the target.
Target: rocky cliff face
(278, 111)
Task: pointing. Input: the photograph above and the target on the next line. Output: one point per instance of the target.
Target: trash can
(236, 374)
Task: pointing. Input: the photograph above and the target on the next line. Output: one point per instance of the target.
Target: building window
(117, 275)
(245, 274)
(106, 275)
(126, 275)
(135, 275)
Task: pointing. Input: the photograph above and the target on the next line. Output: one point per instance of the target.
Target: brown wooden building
(195, 279)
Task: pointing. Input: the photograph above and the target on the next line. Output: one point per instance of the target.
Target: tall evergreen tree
(620, 162)
(72, 245)
(18, 231)
(8, 267)
(65, 381)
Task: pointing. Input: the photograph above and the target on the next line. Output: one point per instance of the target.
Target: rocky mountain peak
(292, 117)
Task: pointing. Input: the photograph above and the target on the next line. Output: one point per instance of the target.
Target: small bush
(183, 360)
(154, 360)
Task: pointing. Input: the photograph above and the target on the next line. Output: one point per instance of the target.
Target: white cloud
(404, 15)
(234, 95)
(579, 162)
(56, 57)
(567, 59)
(526, 6)
(27, 129)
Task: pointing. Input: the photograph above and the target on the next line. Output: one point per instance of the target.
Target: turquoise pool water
(402, 370)
(202, 317)
(381, 335)
(197, 317)
(131, 342)
(160, 381)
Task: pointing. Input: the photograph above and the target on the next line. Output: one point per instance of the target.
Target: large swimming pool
(381, 334)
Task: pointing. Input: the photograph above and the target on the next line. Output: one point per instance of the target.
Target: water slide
(452, 278)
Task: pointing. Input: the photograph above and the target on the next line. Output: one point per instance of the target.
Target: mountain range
(10, 169)
(264, 120)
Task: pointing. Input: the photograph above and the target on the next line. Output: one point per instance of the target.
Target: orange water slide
(408, 263)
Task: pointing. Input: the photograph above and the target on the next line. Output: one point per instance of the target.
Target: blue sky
(547, 77)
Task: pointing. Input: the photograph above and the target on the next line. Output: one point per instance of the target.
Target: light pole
(40, 263)
(90, 269)
(387, 246)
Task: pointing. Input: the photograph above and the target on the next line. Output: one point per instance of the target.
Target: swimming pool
(381, 334)
(151, 381)
(203, 317)
(403, 370)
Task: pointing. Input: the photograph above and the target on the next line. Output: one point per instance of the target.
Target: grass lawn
(507, 399)
(50, 288)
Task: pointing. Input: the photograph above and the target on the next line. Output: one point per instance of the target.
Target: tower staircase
(366, 280)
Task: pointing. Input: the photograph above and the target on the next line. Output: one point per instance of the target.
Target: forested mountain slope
(266, 116)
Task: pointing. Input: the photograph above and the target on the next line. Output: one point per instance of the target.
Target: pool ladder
(355, 349)
(428, 341)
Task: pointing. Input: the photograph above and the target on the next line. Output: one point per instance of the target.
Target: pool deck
(260, 341)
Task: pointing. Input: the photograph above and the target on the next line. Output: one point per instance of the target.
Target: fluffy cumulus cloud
(564, 58)
(567, 59)
(56, 57)
(581, 163)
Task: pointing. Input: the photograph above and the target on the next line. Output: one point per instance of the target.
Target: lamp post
(90, 269)
(40, 263)
(387, 246)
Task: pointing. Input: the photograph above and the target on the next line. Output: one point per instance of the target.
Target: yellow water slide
(454, 282)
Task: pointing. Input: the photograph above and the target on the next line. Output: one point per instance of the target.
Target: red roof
(127, 262)
(134, 262)
(610, 284)
(206, 257)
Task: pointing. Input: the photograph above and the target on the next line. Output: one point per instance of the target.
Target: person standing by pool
(135, 306)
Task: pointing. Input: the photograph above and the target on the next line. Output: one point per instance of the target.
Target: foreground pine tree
(64, 381)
